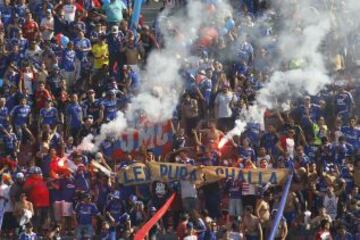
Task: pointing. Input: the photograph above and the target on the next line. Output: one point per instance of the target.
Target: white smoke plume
(303, 31)
(161, 83)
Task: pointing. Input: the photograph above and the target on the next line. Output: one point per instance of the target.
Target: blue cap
(190, 225)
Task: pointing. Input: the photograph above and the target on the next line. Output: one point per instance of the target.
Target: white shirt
(188, 189)
(48, 23)
(330, 204)
(290, 143)
(192, 237)
(223, 104)
(69, 12)
(5, 193)
(28, 81)
(235, 236)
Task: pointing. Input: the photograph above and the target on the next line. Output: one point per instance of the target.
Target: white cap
(19, 175)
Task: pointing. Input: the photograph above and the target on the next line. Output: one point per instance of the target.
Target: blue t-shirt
(115, 42)
(206, 88)
(49, 116)
(82, 183)
(314, 112)
(252, 132)
(247, 153)
(67, 187)
(114, 11)
(45, 165)
(104, 191)
(116, 210)
(4, 116)
(21, 10)
(6, 14)
(56, 140)
(269, 141)
(82, 44)
(110, 109)
(135, 80)
(106, 148)
(20, 114)
(23, 44)
(68, 60)
(27, 236)
(352, 136)
(85, 212)
(310, 151)
(10, 141)
(74, 115)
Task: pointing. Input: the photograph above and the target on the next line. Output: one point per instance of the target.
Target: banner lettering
(157, 171)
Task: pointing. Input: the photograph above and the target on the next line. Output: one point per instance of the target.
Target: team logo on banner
(156, 137)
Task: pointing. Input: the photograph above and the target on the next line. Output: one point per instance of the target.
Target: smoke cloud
(161, 82)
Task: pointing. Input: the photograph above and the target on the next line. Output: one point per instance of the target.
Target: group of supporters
(68, 67)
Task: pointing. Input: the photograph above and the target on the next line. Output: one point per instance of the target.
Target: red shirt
(37, 191)
(181, 230)
(40, 97)
(323, 235)
(30, 29)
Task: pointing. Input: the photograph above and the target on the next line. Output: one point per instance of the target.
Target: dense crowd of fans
(67, 67)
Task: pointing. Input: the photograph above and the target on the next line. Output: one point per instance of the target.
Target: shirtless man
(252, 225)
(212, 134)
(263, 208)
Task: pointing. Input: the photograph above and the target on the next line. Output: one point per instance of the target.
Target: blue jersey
(253, 133)
(20, 10)
(28, 236)
(352, 136)
(82, 183)
(106, 148)
(85, 212)
(10, 141)
(6, 14)
(49, 116)
(314, 112)
(55, 141)
(4, 116)
(74, 115)
(115, 208)
(110, 109)
(206, 88)
(67, 187)
(82, 44)
(310, 151)
(20, 114)
(92, 108)
(341, 152)
(115, 42)
(23, 43)
(269, 141)
(68, 60)
(135, 80)
(247, 153)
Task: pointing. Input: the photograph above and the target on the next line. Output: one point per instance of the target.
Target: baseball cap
(190, 225)
(19, 175)
(114, 29)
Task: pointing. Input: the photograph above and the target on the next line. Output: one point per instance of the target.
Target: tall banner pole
(136, 14)
(280, 211)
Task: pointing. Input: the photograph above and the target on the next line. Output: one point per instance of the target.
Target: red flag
(141, 233)
(96, 4)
